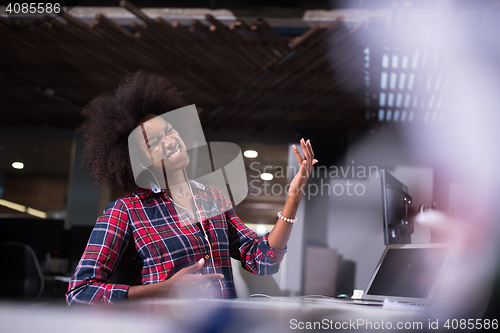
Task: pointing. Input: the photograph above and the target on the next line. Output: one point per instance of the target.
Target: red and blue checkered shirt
(148, 234)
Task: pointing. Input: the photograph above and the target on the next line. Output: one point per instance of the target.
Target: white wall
(355, 227)
(355, 224)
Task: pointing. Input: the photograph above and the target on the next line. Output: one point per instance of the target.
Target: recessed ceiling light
(261, 229)
(250, 153)
(266, 176)
(18, 165)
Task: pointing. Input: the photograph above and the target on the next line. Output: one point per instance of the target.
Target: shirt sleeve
(106, 245)
(253, 251)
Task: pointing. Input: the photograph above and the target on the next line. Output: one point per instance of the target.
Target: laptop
(406, 273)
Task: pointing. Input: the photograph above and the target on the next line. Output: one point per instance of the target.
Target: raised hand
(278, 237)
(306, 162)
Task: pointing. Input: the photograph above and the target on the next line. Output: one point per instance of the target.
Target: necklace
(179, 194)
(187, 210)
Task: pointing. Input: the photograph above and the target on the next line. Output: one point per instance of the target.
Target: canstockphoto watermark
(357, 324)
(22, 14)
(370, 325)
(347, 180)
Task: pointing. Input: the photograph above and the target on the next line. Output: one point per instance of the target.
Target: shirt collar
(145, 193)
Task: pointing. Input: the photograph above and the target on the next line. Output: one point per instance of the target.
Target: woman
(176, 235)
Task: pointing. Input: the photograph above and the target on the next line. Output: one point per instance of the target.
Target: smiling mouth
(175, 153)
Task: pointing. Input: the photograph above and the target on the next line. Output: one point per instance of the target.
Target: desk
(238, 315)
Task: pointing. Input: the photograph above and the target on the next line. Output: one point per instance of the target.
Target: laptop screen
(409, 271)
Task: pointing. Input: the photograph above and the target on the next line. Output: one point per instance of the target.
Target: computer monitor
(42, 235)
(398, 222)
(78, 238)
(408, 273)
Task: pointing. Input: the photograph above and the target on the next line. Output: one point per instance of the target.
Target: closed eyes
(168, 131)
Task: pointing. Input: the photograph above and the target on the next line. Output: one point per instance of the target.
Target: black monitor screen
(398, 226)
(408, 272)
(79, 236)
(42, 235)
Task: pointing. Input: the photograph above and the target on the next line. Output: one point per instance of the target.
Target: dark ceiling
(241, 76)
(285, 4)
(242, 4)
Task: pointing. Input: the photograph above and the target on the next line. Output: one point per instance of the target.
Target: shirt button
(207, 256)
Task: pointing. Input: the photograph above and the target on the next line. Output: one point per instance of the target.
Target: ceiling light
(49, 92)
(18, 165)
(12, 205)
(23, 209)
(266, 176)
(36, 212)
(250, 153)
(261, 229)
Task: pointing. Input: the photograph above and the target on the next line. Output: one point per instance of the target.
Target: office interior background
(406, 86)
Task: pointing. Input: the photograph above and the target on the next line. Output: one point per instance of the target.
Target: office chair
(21, 277)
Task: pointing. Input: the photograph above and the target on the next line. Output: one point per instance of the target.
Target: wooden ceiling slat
(277, 47)
(305, 81)
(264, 53)
(228, 55)
(244, 46)
(241, 75)
(198, 48)
(239, 52)
(145, 35)
(78, 41)
(24, 47)
(173, 58)
(172, 44)
(136, 11)
(89, 39)
(205, 82)
(310, 36)
(270, 31)
(310, 56)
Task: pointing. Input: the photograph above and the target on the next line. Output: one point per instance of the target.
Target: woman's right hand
(183, 284)
(187, 284)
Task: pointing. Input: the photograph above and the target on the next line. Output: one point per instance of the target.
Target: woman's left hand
(299, 181)
(278, 237)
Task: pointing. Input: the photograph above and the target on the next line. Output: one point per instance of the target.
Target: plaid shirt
(146, 232)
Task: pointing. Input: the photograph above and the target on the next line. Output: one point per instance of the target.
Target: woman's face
(164, 146)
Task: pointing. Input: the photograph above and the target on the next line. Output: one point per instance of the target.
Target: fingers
(310, 152)
(188, 283)
(297, 154)
(213, 276)
(194, 268)
(308, 160)
(305, 149)
(304, 170)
